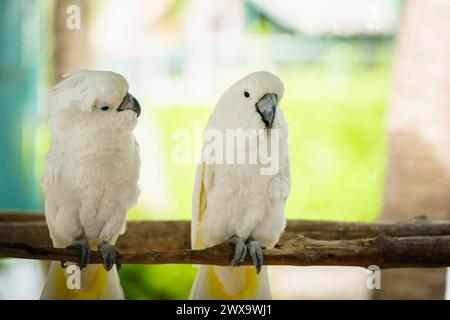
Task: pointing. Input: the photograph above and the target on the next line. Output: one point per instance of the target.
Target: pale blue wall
(23, 50)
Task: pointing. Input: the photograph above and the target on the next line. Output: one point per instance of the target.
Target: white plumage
(92, 168)
(236, 199)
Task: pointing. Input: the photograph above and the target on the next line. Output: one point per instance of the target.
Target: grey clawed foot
(82, 244)
(109, 255)
(256, 253)
(240, 250)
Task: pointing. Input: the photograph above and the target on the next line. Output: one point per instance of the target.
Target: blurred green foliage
(161, 282)
(337, 144)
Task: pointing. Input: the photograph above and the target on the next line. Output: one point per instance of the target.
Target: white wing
(203, 180)
(51, 209)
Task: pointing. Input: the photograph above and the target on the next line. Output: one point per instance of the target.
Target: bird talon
(256, 253)
(81, 244)
(240, 251)
(109, 255)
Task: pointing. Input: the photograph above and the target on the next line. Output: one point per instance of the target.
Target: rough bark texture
(383, 251)
(417, 243)
(175, 235)
(419, 129)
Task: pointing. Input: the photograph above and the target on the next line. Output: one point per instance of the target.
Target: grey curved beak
(130, 103)
(267, 107)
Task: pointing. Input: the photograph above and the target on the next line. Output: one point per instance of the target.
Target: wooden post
(419, 133)
(71, 49)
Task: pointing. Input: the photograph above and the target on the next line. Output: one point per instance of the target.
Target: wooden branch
(383, 251)
(175, 235)
(417, 243)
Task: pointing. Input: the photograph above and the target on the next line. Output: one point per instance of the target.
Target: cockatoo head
(96, 100)
(252, 102)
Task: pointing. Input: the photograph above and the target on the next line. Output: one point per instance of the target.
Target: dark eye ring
(246, 94)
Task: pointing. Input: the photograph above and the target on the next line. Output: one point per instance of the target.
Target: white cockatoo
(239, 202)
(91, 177)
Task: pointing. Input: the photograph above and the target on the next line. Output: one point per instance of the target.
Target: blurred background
(367, 96)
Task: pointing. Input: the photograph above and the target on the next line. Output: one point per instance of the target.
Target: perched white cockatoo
(239, 203)
(91, 177)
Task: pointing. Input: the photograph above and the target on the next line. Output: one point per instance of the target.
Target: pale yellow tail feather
(96, 284)
(228, 283)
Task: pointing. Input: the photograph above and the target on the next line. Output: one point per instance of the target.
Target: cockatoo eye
(103, 107)
(246, 94)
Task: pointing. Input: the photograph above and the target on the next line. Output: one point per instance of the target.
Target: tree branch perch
(416, 243)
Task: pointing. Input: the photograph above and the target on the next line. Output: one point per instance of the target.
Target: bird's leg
(82, 244)
(109, 255)
(240, 250)
(256, 253)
